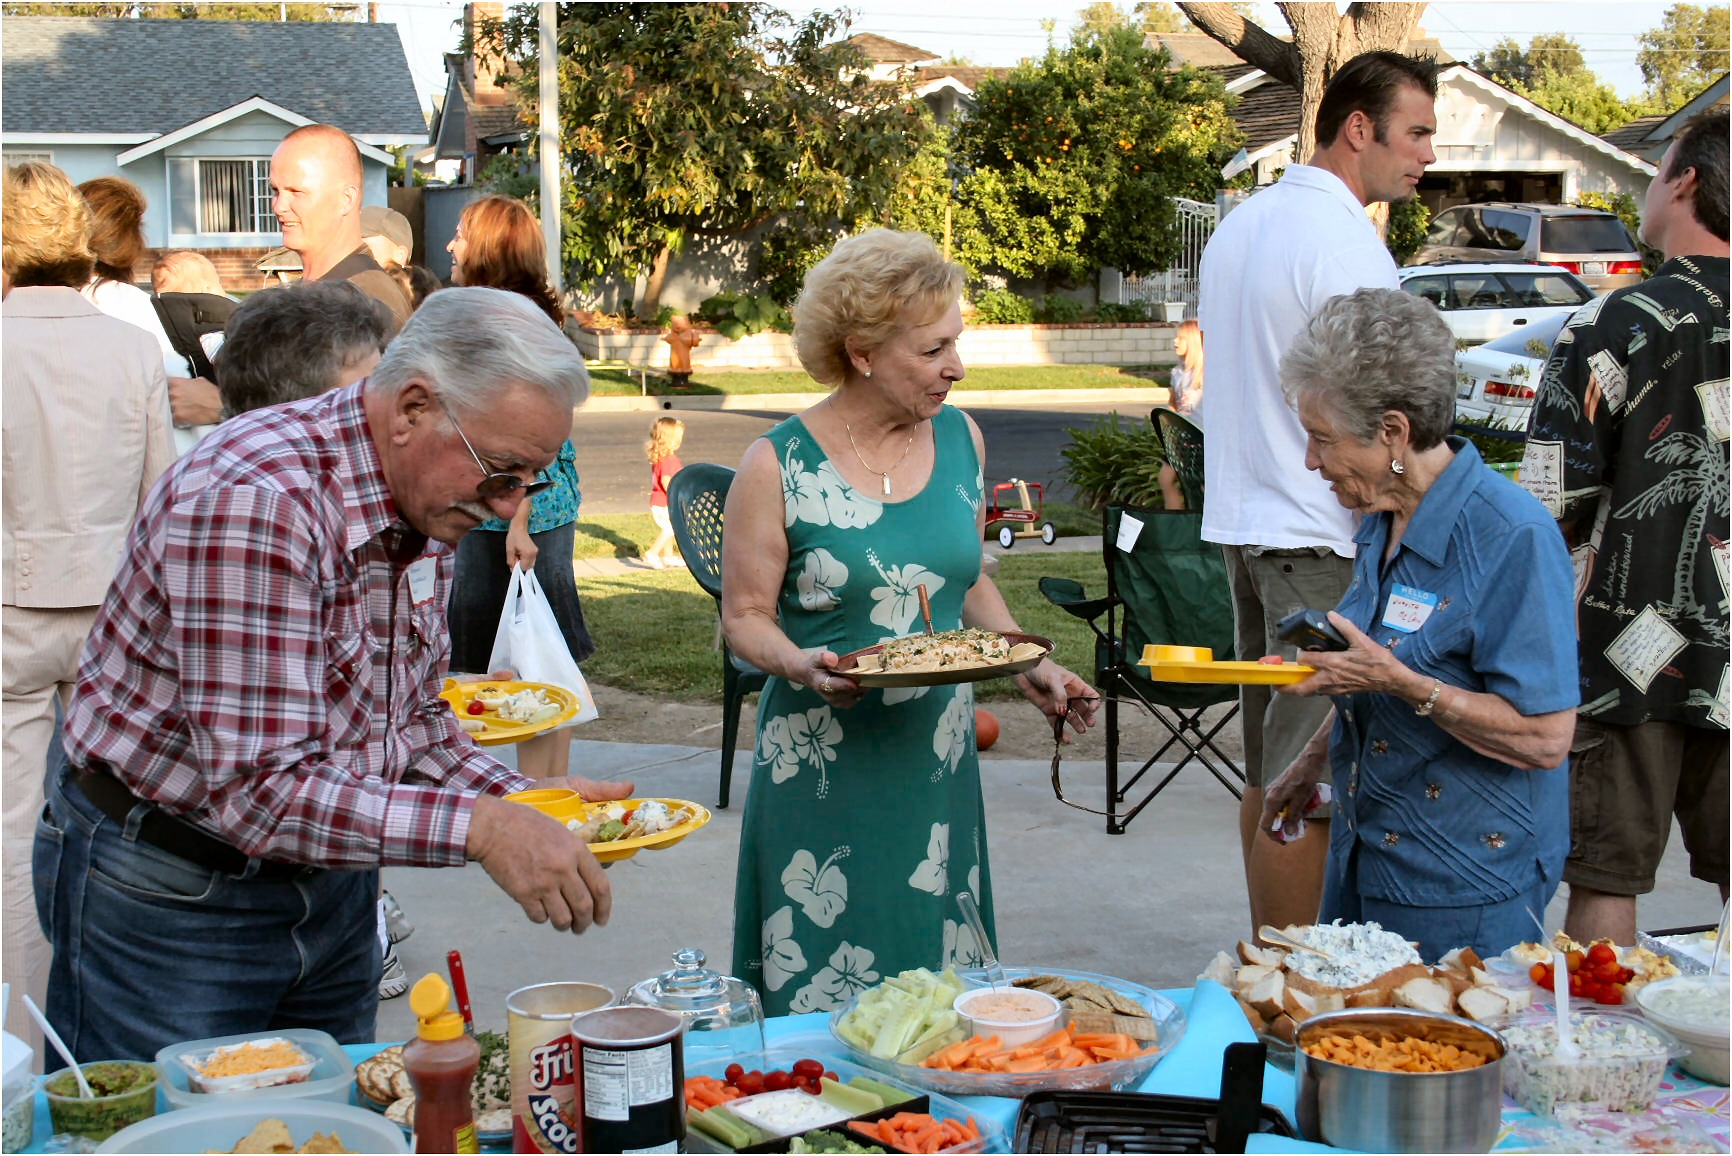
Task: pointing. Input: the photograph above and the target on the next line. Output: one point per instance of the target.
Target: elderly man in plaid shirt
(256, 728)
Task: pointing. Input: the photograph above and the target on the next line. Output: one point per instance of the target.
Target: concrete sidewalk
(1152, 905)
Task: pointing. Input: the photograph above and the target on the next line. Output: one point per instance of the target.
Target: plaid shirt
(262, 668)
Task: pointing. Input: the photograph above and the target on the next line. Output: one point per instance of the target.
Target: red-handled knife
(460, 988)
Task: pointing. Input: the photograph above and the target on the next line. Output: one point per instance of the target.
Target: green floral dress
(863, 824)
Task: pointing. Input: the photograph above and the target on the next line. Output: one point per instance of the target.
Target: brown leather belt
(176, 836)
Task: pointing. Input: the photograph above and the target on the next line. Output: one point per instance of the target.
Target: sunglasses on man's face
(493, 483)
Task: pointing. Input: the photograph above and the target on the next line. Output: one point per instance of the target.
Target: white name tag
(423, 580)
(1408, 608)
(1129, 530)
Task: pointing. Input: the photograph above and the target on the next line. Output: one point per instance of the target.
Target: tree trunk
(1323, 40)
(652, 290)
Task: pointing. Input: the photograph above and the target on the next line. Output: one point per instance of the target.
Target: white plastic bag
(530, 642)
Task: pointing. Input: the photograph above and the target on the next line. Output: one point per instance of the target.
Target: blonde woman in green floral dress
(864, 818)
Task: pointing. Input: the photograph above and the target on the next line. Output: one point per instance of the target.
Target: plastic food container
(17, 1094)
(219, 1127)
(126, 1094)
(1623, 1060)
(1693, 1008)
(328, 1074)
(1039, 1014)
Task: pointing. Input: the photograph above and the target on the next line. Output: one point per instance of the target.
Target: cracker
(402, 1112)
(1141, 1029)
(401, 1084)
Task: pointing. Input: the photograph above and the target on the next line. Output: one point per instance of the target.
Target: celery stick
(854, 1101)
(890, 1095)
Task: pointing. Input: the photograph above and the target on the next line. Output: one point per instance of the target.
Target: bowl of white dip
(1697, 1009)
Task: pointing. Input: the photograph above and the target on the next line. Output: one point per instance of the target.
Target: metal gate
(1196, 221)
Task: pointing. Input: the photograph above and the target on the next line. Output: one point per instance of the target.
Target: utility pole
(548, 90)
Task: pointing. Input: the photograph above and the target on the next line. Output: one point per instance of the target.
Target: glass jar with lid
(723, 1015)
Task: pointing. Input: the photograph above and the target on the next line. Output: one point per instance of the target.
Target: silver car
(1496, 382)
(1591, 243)
(1480, 302)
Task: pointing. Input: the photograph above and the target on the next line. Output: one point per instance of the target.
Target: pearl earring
(868, 373)
(1396, 468)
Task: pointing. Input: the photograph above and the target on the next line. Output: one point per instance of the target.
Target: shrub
(1113, 313)
(1115, 460)
(1002, 307)
(736, 315)
(1056, 310)
(1408, 223)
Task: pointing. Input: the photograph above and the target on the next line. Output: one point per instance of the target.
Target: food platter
(885, 679)
(1194, 664)
(497, 731)
(625, 848)
(384, 1072)
(1116, 1075)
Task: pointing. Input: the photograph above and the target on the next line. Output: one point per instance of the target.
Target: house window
(235, 197)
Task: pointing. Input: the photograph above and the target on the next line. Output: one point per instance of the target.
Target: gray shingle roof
(75, 75)
(1632, 135)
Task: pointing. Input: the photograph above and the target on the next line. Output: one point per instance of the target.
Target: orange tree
(1070, 164)
(680, 121)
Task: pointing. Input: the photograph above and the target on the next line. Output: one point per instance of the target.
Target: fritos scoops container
(543, 1087)
(630, 1080)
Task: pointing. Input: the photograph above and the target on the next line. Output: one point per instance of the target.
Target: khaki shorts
(1626, 783)
(1269, 584)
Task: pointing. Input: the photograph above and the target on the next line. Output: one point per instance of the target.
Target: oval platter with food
(499, 711)
(949, 656)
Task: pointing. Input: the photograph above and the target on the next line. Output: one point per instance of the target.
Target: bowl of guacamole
(125, 1093)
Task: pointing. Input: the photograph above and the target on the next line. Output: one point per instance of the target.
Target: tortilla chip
(267, 1136)
(323, 1143)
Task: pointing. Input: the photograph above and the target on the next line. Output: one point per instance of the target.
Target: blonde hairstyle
(44, 228)
(1188, 344)
(184, 271)
(868, 288)
(665, 437)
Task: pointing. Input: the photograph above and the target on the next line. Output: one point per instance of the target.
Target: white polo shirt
(1270, 264)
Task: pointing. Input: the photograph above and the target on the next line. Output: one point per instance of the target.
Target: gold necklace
(884, 475)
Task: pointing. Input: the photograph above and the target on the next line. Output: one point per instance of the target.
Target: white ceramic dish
(1709, 1043)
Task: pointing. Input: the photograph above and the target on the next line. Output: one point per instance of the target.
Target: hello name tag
(423, 580)
(1408, 608)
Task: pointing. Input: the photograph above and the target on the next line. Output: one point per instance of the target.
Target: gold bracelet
(1430, 704)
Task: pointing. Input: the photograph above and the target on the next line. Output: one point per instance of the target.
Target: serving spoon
(53, 1037)
(971, 912)
(1567, 1049)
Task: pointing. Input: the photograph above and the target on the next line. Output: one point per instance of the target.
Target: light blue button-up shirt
(1436, 824)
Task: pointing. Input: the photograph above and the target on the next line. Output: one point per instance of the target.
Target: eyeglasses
(1058, 723)
(494, 483)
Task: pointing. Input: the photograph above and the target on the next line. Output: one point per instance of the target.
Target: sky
(1003, 32)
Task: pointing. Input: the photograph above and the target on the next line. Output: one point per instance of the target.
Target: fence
(1196, 221)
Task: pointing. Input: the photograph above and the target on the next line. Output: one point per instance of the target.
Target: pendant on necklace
(886, 479)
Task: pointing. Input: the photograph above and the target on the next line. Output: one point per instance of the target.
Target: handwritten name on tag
(1408, 608)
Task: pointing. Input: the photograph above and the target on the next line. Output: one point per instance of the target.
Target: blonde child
(1187, 390)
(662, 450)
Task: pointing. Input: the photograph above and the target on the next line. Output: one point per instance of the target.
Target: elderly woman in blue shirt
(1455, 700)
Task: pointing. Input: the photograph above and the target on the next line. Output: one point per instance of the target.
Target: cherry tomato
(1272, 660)
(1606, 972)
(1540, 973)
(833, 1077)
(1625, 975)
(1602, 953)
(1611, 994)
(476, 706)
(751, 1083)
(811, 1069)
(733, 1074)
(1575, 959)
(808, 1085)
(1576, 986)
(777, 1081)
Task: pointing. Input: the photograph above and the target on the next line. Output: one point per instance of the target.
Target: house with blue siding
(191, 110)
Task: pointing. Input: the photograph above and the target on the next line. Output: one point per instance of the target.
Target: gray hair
(473, 344)
(1365, 353)
(288, 343)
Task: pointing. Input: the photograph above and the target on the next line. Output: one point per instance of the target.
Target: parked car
(1495, 382)
(1591, 243)
(1482, 301)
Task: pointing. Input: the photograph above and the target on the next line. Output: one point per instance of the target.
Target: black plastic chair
(696, 496)
(1183, 442)
(1170, 587)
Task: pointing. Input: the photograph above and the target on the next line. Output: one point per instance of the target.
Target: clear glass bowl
(1116, 1075)
(723, 1015)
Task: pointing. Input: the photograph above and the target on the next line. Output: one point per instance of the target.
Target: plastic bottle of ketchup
(441, 1061)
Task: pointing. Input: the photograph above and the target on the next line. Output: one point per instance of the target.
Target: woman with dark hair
(498, 246)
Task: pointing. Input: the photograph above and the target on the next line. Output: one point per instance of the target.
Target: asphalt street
(1021, 442)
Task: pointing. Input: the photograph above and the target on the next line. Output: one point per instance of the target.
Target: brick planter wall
(234, 266)
(1142, 343)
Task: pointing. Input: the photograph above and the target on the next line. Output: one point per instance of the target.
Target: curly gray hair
(1365, 353)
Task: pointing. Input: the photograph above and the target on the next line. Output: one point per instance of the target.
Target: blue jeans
(1488, 928)
(151, 950)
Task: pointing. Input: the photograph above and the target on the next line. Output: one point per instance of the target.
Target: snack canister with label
(543, 1086)
(630, 1080)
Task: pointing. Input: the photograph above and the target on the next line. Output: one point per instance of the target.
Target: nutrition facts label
(614, 1082)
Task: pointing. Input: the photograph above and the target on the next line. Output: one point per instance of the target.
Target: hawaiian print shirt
(1628, 449)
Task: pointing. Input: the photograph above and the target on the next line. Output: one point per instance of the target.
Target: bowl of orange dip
(1016, 1015)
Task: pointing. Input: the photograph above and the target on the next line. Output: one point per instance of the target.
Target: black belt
(176, 836)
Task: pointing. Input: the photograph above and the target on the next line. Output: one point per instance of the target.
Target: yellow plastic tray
(1196, 664)
(498, 731)
(626, 848)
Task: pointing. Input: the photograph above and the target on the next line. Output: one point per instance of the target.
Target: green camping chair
(1169, 587)
(696, 496)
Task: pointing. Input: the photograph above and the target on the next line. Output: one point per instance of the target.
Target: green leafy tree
(1072, 162)
(709, 120)
(1511, 64)
(1582, 98)
(1685, 53)
(1405, 232)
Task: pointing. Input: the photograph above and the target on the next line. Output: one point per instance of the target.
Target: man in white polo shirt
(1288, 543)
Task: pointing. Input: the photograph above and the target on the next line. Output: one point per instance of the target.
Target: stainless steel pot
(1398, 1111)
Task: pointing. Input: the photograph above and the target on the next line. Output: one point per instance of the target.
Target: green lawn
(614, 381)
(614, 536)
(654, 631)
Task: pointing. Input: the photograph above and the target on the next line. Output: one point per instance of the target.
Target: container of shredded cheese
(295, 1063)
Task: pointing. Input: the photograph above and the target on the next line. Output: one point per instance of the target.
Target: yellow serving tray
(498, 731)
(1196, 664)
